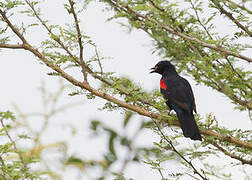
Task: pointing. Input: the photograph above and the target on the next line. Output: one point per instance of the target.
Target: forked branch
(231, 17)
(83, 65)
(176, 151)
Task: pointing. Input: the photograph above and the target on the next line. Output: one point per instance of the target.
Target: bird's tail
(188, 125)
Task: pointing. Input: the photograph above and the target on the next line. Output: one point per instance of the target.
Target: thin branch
(243, 161)
(160, 172)
(83, 66)
(231, 17)
(14, 145)
(157, 7)
(3, 175)
(184, 36)
(98, 59)
(181, 28)
(230, 64)
(12, 46)
(198, 19)
(241, 6)
(178, 153)
(227, 138)
(2, 161)
(210, 46)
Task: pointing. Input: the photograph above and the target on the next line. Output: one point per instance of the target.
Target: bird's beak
(154, 70)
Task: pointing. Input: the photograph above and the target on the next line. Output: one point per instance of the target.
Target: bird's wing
(189, 93)
(179, 92)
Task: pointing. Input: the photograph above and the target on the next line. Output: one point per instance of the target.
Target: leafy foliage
(17, 167)
(182, 33)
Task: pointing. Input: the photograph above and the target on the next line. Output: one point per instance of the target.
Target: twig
(98, 59)
(83, 65)
(157, 7)
(13, 28)
(14, 145)
(243, 161)
(231, 17)
(230, 64)
(181, 28)
(2, 161)
(3, 175)
(160, 172)
(210, 46)
(198, 19)
(178, 153)
(241, 6)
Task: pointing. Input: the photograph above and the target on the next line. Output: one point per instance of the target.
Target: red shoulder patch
(162, 84)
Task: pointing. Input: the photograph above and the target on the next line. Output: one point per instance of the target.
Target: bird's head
(163, 66)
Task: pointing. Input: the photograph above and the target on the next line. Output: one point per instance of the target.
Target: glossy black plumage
(178, 93)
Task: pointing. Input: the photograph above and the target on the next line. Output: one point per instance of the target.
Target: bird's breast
(162, 84)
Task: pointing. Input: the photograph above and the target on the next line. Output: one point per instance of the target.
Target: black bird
(178, 93)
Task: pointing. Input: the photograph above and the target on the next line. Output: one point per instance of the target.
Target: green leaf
(112, 137)
(127, 117)
(7, 115)
(95, 124)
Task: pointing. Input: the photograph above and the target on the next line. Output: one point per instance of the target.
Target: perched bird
(178, 93)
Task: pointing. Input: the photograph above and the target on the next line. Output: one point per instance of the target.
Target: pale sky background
(21, 75)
